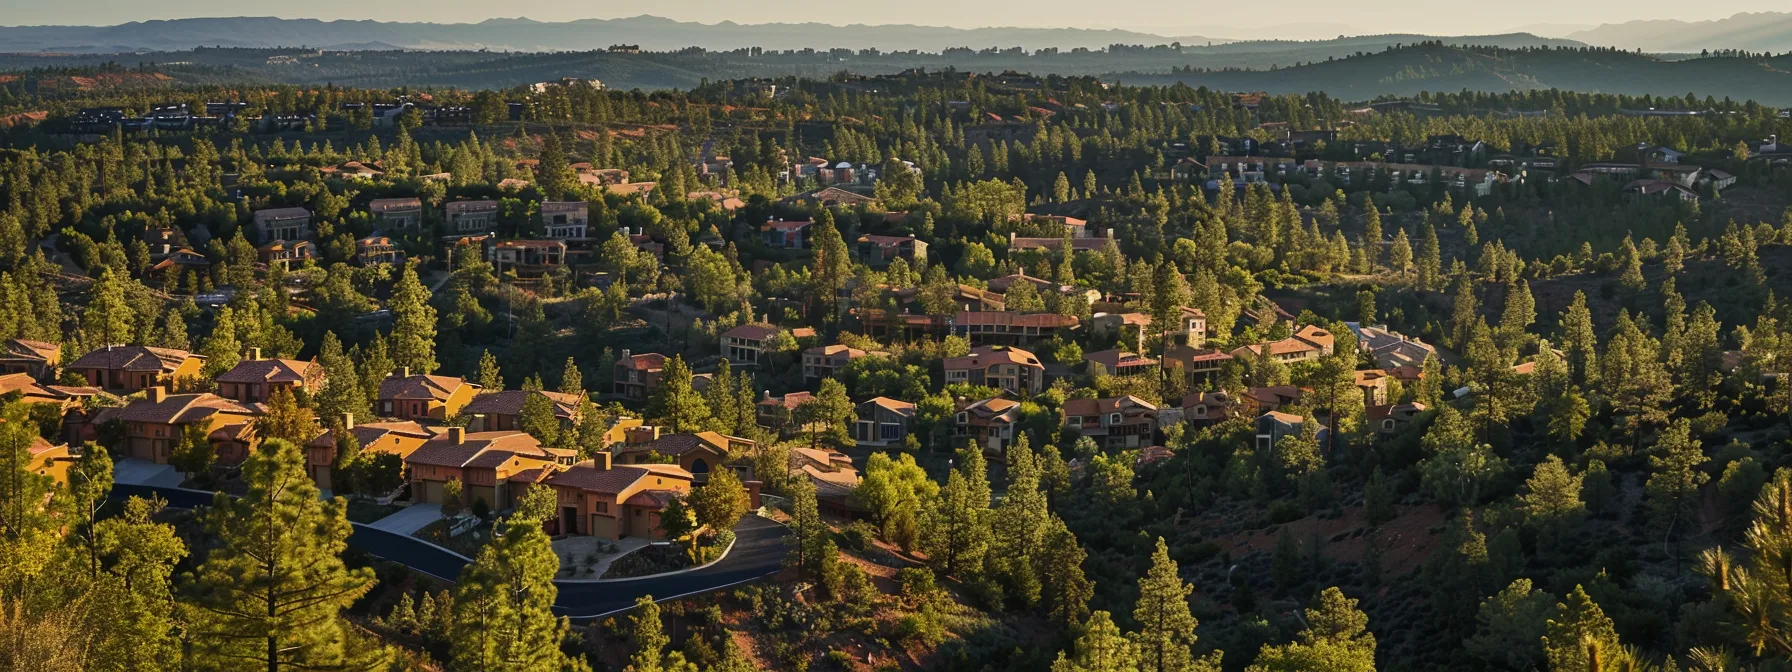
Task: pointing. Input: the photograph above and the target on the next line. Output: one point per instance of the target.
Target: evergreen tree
(721, 502)
(955, 534)
(833, 266)
(503, 602)
(342, 392)
(1336, 639)
(1400, 253)
(490, 377)
(1677, 474)
(807, 531)
(1509, 626)
(572, 381)
(1019, 526)
(1100, 648)
(272, 594)
(1166, 634)
(675, 404)
(1067, 590)
(1577, 621)
(1579, 343)
(1429, 259)
(286, 419)
(413, 323)
(1551, 501)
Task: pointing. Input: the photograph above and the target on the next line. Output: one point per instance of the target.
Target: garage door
(603, 527)
(432, 493)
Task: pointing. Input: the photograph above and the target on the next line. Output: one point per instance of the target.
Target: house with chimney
(636, 376)
(399, 438)
(37, 358)
(492, 466)
(124, 369)
(745, 344)
(1308, 343)
(255, 378)
(823, 360)
(565, 220)
(1002, 367)
(154, 424)
(1114, 422)
(599, 499)
(470, 218)
(882, 422)
(503, 410)
(407, 396)
(282, 224)
(398, 214)
(697, 453)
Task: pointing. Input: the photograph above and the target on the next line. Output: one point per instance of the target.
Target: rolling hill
(1759, 31)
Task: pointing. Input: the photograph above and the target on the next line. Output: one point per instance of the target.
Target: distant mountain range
(1760, 31)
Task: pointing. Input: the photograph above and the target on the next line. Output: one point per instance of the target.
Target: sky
(1295, 19)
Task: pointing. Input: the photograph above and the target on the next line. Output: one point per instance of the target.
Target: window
(964, 418)
(889, 430)
(1388, 424)
(602, 507)
(1075, 420)
(1113, 418)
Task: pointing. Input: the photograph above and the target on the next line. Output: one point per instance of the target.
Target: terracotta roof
(988, 356)
(510, 402)
(896, 405)
(442, 452)
(586, 476)
(180, 409)
(789, 401)
(1015, 320)
(268, 371)
(437, 388)
(684, 442)
(646, 361)
(24, 384)
(1114, 359)
(1285, 418)
(751, 332)
(19, 347)
(1088, 407)
(133, 358)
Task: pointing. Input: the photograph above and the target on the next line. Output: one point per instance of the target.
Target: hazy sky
(1284, 18)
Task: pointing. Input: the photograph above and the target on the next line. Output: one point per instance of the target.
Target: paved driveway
(409, 519)
(758, 552)
(130, 471)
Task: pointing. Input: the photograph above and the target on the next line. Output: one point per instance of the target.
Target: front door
(569, 520)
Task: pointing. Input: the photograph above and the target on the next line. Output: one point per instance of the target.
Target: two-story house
(398, 214)
(1307, 344)
(1119, 363)
(778, 413)
(286, 253)
(153, 425)
(467, 218)
(565, 220)
(784, 235)
(988, 422)
(1389, 348)
(695, 452)
(1274, 425)
(503, 409)
(637, 376)
(528, 258)
(423, 397)
(999, 366)
(38, 358)
(1205, 409)
(128, 368)
(282, 224)
(1198, 365)
(399, 438)
(485, 463)
(254, 379)
(376, 250)
(1114, 422)
(882, 422)
(1010, 328)
(745, 344)
(879, 251)
(611, 501)
(823, 360)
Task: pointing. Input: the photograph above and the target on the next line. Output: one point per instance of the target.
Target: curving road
(758, 552)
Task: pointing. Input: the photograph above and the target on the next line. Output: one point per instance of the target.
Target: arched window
(700, 466)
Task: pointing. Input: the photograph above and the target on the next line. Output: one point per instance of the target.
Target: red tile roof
(133, 358)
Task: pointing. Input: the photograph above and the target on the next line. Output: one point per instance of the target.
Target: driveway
(129, 471)
(758, 552)
(409, 519)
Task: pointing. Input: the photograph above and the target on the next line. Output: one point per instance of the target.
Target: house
(776, 413)
(695, 452)
(485, 463)
(879, 251)
(182, 258)
(376, 250)
(24, 389)
(254, 379)
(423, 397)
(965, 297)
(1119, 363)
(471, 217)
(831, 197)
(38, 358)
(882, 422)
(1129, 327)
(1271, 398)
(746, 343)
(154, 424)
(1274, 425)
(282, 224)
(1308, 343)
(823, 360)
(1204, 409)
(285, 253)
(375, 438)
(784, 235)
(1114, 422)
(637, 376)
(1665, 188)
(833, 475)
(528, 258)
(1002, 284)
(565, 220)
(1086, 244)
(1002, 367)
(129, 368)
(398, 214)
(1077, 228)
(988, 422)
(1718, 180)
(502, 411)
(1010, 328)
(599, 499)
(1388, 419)
(1192, 326)
(50, 459)
(1390, 349)
(1373, 383)
(1197, 364)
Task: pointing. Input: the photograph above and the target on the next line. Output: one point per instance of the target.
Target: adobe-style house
(1198, 365)
(153, 425)
(1274, 425)
(637, 376)
(50, 459)
(1010, 328)
(833, 475)
(1119, 363)
(777, 413)
(282, 224)
(502, 410)
(1373, 383)
(883, 422)
(398, 214)
(597, 499)
(1002, 367)
(37, 358)
(423, 397)
(470, 218)
(696, 452)
(485, 463)
(1390, 419)
(743, 345)
(376, 250)
(823, 360)
(1205, 409)
(399, 438)
(1129, 328)
(286, 253)
(565, 220)
(784, 235)
(879, 251)
(1264, 399)
(1114, 422)
(129, 368)
(528, 258)
(1307, 344)
(1389, 348)
(254, 379)
(988, 422)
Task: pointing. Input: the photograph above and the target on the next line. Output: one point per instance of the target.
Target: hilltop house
(746, 343)
(1114, 422)
(695, 452)
(882, 422)
(599, 499)
(1002, 367)
(38, 358)
(255, 379)
(823, 360)
(637, 376)
(398, 214)
(565, 220)
(282, 224)
(486, 464)
(471, 217)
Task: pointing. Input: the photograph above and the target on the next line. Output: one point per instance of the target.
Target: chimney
(768, 395)
(625, 355)
(157, 394)
(601, 460)
(254, 354)
(404, 372)
(457, 435)
(348, 421)
(1110, 232)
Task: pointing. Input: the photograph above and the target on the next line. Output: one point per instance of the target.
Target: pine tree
(490, 377)
(1067, 590)
(1372, 237)
(725, 415)
(675, 404)
(807, 531)
(955, 534)
(131, 600)
(721, 501)
(1677, 474)
(1166, 634)
(1378, 499)
(833, 266)
(1579, 342)
(1551, 501)
(286, 419)
(572, 381)
(1100, 648)
(341, 393)
(1429, 259)
(272, 594)
(1508, 627)
(1336, 639)
(1577, 620)
(1019, 526)
(503, 603)
(413, 323)
(1400, 253)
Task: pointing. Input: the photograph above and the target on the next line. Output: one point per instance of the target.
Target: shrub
(921, 627)
(917, 583)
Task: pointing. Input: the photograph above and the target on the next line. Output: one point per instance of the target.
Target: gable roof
(442, 451)
(268, 371)
(751, 332)
(510, 402)
(896, 406)
(992, 355)
(422, 387)
(685, 442)
(133, 358)
(586, 476)
(180, 409)
(1090, 407)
